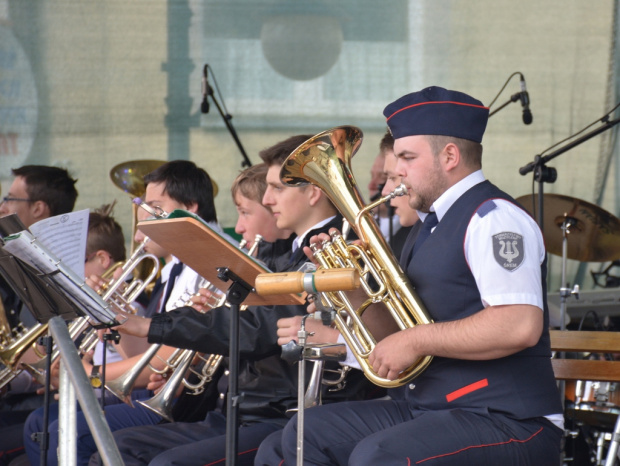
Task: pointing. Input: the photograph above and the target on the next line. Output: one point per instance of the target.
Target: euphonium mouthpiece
(400, 190)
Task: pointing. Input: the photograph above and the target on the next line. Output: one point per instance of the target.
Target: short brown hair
(278, 153)
(251, 183)
(470, 150)
(387, 142)
(104, 233)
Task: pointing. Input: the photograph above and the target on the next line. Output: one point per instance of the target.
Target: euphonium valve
(324, 161)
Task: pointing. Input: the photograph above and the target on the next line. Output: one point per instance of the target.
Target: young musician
(268, 383)
(174, 185)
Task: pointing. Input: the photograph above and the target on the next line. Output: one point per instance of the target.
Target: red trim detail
(467, 389)
(442, 102)
(220, 461)
(512, 440)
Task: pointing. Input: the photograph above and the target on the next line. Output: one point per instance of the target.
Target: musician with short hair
(177, 184)
(268, 383)
(37, 192)
(479, 265)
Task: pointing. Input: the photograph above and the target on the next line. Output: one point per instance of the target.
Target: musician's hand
(316, 240)
(54, 378)
(204, 300)
(393, 354)
(318, 333)
(133, 325)
(156, 382)
(96, 283)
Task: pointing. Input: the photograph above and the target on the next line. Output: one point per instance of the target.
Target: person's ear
(314, 195)
(40, 210)
(193, 207)
(451, 156)
(104, 258)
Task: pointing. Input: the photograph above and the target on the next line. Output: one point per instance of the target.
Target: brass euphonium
(325, 161)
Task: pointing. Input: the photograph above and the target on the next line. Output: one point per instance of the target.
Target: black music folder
(45, 285)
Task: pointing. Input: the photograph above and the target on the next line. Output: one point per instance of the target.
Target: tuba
(324, 161)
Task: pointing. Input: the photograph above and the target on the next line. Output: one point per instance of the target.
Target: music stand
(48, 289)
(216, 259)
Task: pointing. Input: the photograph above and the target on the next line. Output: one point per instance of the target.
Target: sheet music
(27, 248)
(65, 236)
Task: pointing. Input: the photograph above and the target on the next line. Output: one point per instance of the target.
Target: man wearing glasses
(38, 192)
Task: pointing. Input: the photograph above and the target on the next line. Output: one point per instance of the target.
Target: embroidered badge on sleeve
(508, 250)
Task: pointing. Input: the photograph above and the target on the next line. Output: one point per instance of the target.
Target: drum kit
(578, 230)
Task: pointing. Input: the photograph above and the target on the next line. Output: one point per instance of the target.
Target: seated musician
(268, 383)
(36, 193)
(174, 185)
(479, 265)
(105, 245)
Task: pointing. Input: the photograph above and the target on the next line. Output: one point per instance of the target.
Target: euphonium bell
(324, 161)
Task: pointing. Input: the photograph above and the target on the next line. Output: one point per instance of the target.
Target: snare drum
(599, 404)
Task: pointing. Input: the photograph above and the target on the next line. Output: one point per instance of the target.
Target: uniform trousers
(118, 416)
(389, 432)
(190, 444)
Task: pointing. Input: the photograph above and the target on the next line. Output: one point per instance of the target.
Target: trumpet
(118, 292)
(324, 161)
(178, 362)
(181, 360)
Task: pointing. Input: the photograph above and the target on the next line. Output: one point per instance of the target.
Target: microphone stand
(543, 174)
(227, 117)
(513, 98)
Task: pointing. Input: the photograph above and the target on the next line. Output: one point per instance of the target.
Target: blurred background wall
(90, 85)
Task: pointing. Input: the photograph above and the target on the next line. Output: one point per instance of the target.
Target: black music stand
(47, 291)
(215, 258)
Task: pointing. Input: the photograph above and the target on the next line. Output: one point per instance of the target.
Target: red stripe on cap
(430, 103)
(467, 389)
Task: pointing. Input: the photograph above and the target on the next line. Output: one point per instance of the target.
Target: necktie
(430, 222)
(155, 299)
(174, 273)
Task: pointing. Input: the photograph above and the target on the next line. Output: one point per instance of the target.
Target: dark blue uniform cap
(437, 111)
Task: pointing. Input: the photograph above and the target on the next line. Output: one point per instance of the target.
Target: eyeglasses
(14, 199)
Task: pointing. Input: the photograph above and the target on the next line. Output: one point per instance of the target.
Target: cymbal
(594, 233)
(129, 176)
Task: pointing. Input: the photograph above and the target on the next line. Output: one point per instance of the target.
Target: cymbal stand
(565, 292)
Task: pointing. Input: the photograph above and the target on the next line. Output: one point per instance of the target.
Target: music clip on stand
(236, 294)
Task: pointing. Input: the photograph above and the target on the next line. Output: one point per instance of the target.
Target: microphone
(204, 106)
(525, 103)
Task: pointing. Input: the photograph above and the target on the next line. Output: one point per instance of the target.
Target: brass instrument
(324, 161)
(118, 292)
(178, 361)
(181, 360)
(14, 344)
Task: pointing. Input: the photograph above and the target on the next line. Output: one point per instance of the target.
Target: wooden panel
(582, 341)
(582, 369)
(204, 250)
